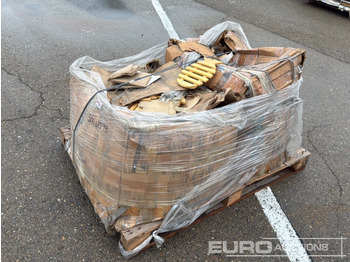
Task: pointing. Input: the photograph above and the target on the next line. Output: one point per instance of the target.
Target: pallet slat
(133, 237)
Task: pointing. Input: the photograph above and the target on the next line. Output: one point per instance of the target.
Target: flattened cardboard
(172, 52)
(211, 99)
(228, 40)
(156, 106)
(196, 47)
(104, 75)
(233, 41)
(139, 83)
(191, 100)
(206, 98)
(129, 70)
(177, 48)
(166, 83)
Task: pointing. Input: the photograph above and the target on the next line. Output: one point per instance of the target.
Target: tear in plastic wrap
(186, 162)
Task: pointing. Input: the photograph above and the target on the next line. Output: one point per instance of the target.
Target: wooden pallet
(132, 237)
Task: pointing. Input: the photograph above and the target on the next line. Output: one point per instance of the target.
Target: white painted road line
(165, 19)
(285, 232)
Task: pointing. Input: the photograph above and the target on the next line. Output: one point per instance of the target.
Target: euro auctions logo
(241, 247)
(271, 247)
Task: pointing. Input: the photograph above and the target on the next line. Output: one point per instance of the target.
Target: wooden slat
(233, 198)
(133, 237)
(296, 162)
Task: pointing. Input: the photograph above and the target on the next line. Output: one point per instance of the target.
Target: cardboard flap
(191, 100)
(138, 83)
(104, 75)
(229, 40)
(196, 47)
(129, 70)
(166, 83)
(233, 41)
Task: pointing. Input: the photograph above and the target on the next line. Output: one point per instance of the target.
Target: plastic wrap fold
(185, 163)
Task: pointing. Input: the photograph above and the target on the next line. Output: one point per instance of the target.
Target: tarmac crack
(323, 159)
(21, 80)
(41, 104)
(341, 190)
(35, 91)
(56, 110)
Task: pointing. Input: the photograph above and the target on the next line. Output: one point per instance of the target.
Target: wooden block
(296, 162)
(233, 198)
(302, 156)
(65, 134)
(134, 236)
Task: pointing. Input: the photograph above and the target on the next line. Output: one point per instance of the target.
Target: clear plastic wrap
(209, 37)
(185, 163)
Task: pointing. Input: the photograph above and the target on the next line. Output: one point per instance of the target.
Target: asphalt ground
(46, 215)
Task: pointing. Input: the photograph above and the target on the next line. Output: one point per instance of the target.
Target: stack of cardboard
(135, 163)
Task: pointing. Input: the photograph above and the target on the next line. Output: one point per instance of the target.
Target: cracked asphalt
(45, 214)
